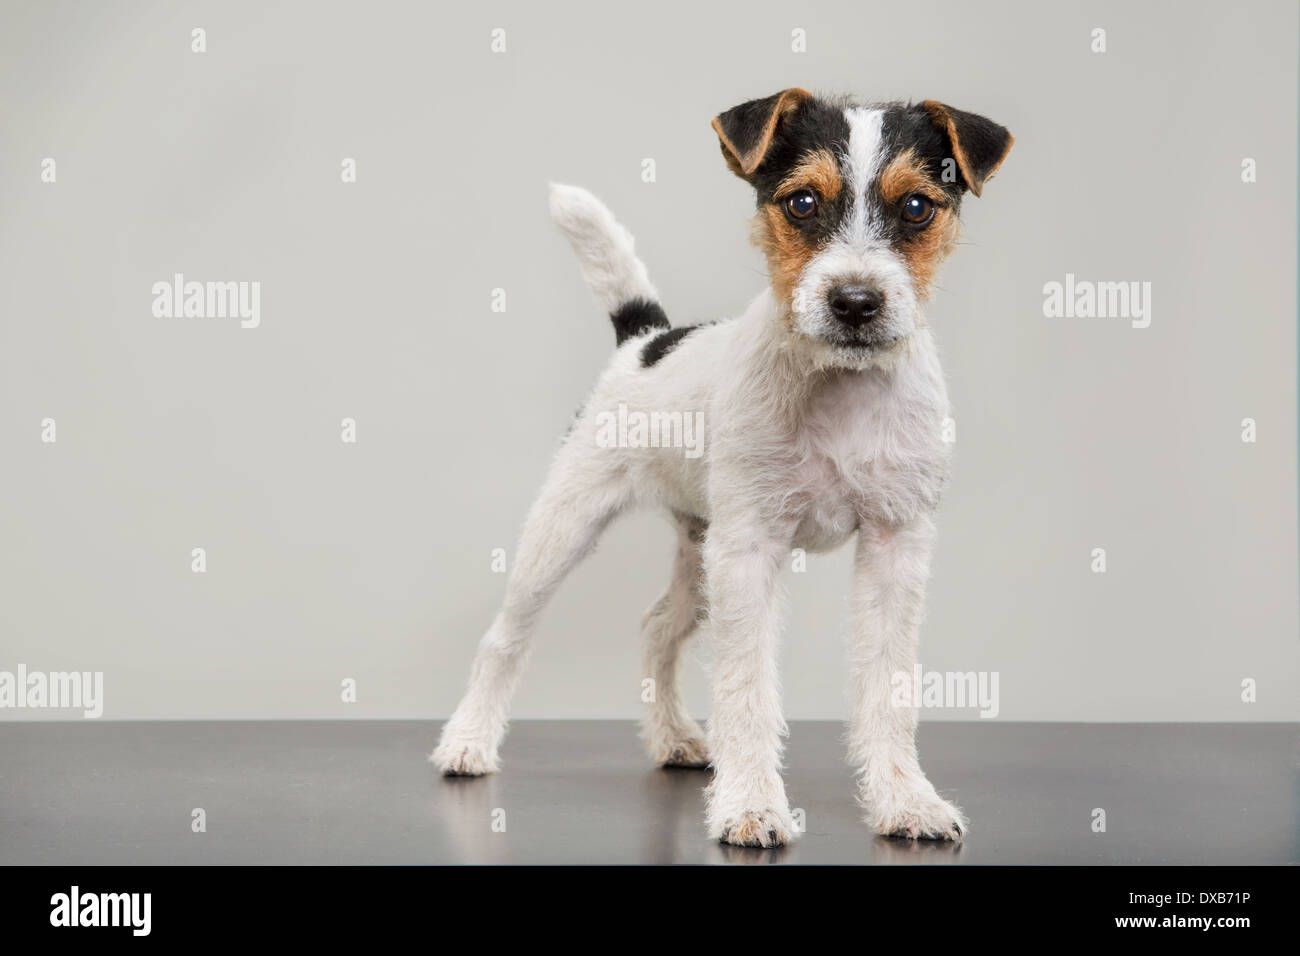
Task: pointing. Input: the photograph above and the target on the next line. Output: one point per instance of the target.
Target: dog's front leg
(746, 801)
(890, 571)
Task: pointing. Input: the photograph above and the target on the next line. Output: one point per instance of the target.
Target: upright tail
(609, 263)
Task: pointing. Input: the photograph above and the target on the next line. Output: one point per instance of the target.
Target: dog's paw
(920, 816)
(456, 758)
(688, 751)
(675, 744)
(761, 828)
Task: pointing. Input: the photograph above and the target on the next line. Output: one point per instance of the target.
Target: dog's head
(857, 207)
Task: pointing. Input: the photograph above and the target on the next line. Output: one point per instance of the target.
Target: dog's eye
(802, 205)
(917, 209)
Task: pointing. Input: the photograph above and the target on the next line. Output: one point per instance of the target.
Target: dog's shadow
(672, 829)
(894, 850)
(747, 855)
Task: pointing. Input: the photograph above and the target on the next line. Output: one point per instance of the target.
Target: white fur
(606, 251)
(865, 129)
(803, 447)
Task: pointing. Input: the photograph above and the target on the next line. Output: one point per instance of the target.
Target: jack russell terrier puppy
(824, 403)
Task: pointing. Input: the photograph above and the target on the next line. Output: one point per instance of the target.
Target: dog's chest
(873, 450)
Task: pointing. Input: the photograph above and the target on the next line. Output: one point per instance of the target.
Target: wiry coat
(824, 406)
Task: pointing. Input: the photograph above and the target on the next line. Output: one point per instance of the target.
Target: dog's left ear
(979, 145)
(745, 132)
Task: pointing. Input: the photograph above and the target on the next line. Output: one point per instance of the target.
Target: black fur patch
(663, 343)
(817, 124)
(635, 317)
(910, 127)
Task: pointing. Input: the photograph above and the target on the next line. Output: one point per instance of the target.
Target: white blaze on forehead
(864, 155)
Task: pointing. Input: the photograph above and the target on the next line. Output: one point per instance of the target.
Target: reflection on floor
(583, 792)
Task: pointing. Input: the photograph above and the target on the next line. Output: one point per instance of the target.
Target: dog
(825, 404)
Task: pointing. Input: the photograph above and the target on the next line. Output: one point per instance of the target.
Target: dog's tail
(609, 263)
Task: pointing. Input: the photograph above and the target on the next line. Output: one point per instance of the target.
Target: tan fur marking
(925, 251)
(788, 251)
(904, 175)
(817, 171)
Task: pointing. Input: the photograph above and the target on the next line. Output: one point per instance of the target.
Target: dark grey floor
(582, 792)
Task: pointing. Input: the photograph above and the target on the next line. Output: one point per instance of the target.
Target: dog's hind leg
(586, 488)
(673, 738)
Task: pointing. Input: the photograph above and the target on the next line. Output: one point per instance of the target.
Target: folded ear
(746, 131)
(979, 145)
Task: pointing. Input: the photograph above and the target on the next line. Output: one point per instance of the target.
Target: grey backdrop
(372, 560)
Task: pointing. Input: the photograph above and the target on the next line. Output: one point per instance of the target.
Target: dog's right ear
(745, 131)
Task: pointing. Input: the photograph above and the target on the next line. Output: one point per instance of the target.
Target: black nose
(856, 304)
